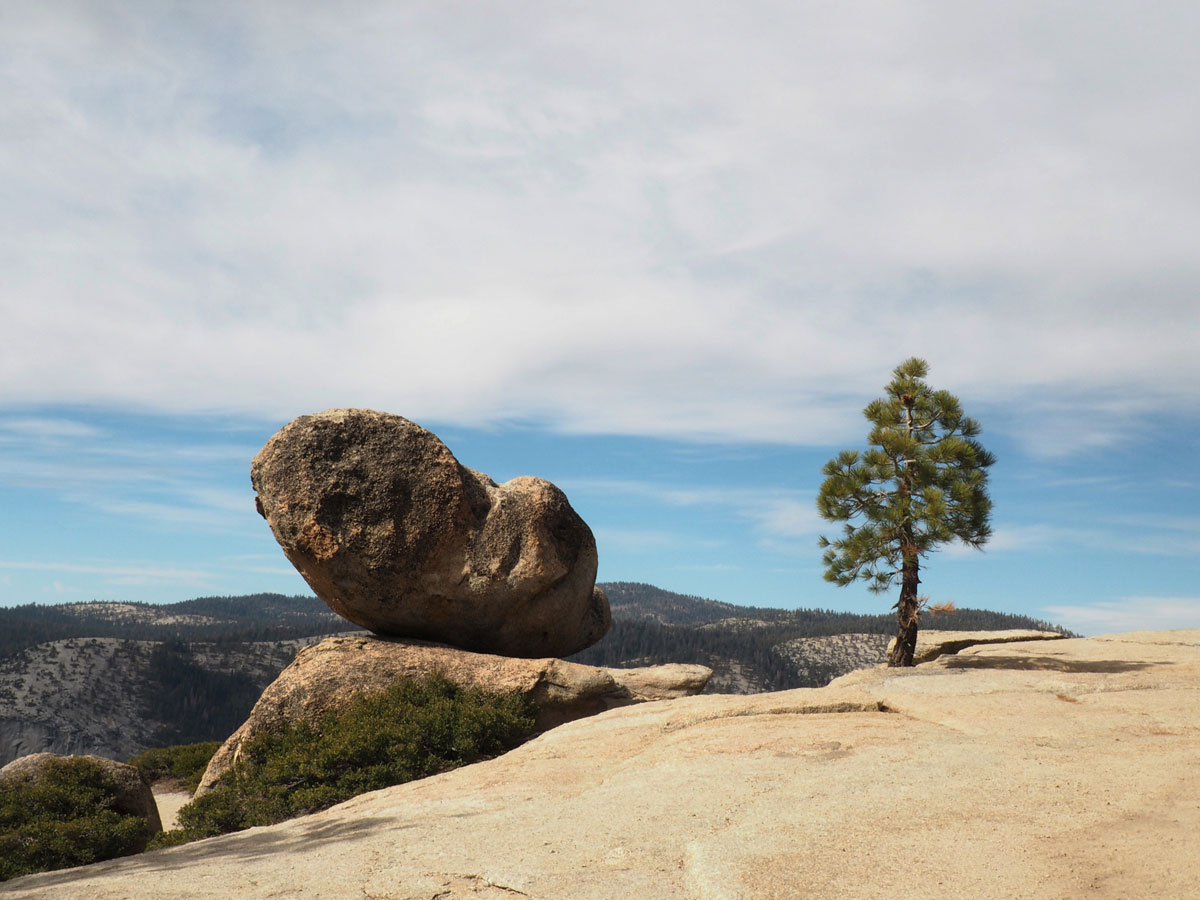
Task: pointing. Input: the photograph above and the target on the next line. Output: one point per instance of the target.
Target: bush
(412, 730)
(183, 764)
(64, 818)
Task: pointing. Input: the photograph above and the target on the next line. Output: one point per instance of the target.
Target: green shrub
(65, 818)
(183, 763)
(164, 839)
(414, 729)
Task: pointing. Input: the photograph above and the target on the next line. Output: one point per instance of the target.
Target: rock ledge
(1046, 770)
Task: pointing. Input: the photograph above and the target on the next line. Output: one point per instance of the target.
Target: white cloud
(779, 517)
(214, 517)
(787, 517)
(46, 428)
(151, 475)
(92, 575)
(635, 540)
(1154, 536)
(1038, 537)
(1128, 614)
(115, 569)
(729, 223)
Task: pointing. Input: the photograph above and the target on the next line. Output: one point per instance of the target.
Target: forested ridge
(652, 626)
(201, 696)
(253, 617)
(276, 617)
(196, 703)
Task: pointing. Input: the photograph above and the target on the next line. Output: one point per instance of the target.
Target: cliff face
(75, 696)
(1058, 769)
(90, 695)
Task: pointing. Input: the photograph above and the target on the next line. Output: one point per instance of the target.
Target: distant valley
(116, 678)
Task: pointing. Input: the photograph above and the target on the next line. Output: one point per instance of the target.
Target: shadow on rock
(242, 846)
(1047, 663)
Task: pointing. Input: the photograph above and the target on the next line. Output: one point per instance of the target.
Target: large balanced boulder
(131, 792)
(395, 535)
(326, 676)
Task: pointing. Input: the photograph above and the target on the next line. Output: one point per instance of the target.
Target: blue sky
(661, 260)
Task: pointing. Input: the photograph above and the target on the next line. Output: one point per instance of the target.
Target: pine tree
(923, 483)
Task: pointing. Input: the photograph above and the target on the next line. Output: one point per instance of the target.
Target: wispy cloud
(775, 514)
(117, 569)
(1153, 538)
(787, 517)
(635, 540)
(47, 428)
(1082, 481)
(618, 234)
(96, 576)
(1128, 614)
(217, 517)
(1167, 522)
(1040, 537)
(167, 478)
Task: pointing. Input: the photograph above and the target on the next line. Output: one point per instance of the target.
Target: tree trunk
(906, 615)
(907, 607)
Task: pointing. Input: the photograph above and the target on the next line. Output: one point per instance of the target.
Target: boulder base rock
(394, 534)
(325, 676)
(133, 796)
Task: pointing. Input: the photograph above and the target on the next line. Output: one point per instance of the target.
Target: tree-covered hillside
(190, 671)
(254, 617)
(115, 697)
(652, 626)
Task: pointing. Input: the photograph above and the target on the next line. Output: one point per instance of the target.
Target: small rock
(664, 682)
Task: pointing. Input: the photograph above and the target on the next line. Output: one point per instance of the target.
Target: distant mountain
(632, 601)
(115, 678)
(116, 697)
(751, 648)
(254, 617)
